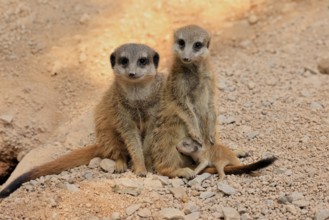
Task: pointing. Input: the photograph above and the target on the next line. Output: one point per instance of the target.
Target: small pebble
(72, 187)
(230, 213)
(316, 105)
(7, 118)
(107, 165)
(226, 189)
(133, 208)
(295, 196)
(322, 214)
(116, 216)
(323, 66)
(190, 208)
(127, 186)
(199, 179)
(192, 216)
(177, 182)
(206, 195)
(301, 203)
(144, 213)
(252, 19)
(179, 192)
(94, 163)
(171, 213)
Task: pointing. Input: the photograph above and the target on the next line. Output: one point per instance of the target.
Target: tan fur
(187, 105)
(218, 159)
(218, 156)
(124, 119)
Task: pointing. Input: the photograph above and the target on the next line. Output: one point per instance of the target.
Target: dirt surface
(272, 101)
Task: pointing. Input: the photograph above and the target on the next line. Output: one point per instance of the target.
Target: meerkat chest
(200, 98)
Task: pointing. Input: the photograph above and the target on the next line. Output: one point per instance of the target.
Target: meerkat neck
(195, 67)
(139, 93)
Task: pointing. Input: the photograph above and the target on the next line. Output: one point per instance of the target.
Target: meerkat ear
(112, 59)
(208, 44)
(156, 59)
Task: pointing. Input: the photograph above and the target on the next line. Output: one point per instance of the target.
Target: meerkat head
(191, 44)
(188, 147)
(134, 63)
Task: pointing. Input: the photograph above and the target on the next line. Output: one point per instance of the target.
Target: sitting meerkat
(187, 107)
(124, 118)
(220, 157)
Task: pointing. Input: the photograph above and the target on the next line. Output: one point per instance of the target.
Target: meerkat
(187, 108)
(218, 156)
(187, 105)
(123, 118)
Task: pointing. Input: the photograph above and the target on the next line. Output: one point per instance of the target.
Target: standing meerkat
(218, 156)
(187, 108)
(123, 118)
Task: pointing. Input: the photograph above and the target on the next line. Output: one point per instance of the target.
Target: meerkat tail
(73, 159)
(241, 169)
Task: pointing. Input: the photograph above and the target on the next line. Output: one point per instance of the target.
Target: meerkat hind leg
(220, 168)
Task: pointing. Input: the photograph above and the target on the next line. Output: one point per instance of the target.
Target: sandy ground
(272, 101)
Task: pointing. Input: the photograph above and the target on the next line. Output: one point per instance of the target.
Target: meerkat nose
(185, 59)
(132, 75)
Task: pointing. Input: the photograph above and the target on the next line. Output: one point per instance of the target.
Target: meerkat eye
(143, 61)
(197, 45)
(181, 43)
(123, 61)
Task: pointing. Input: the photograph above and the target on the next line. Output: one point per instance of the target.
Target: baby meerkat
(220, 157)
(124, 118)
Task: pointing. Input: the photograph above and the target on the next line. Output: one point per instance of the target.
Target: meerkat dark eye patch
(156, 59)
(181, 43)
(112, 60)
(197, 46)
(124, 61)
(143, 61)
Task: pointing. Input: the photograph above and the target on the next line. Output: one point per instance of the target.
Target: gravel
(272, 101)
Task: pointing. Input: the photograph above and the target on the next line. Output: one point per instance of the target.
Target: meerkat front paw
(120, 166)
(187, 173)
(140, 171)
(211, 139)
(197, 139)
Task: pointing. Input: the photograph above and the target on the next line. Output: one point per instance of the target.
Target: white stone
(190, 208)
(107, 165)
(150, 183)
(199, 179)
(321, 214)
(128, 186)
(7, 118)
(171, 213)
(192, 216)
(177, 182)
(230, 213)
(133, 208)
(72, 187)
(226, 189)
(295, 196)
(144, 213)
(178, 192)
(206, 195)
(94, 163)
(115, 216)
